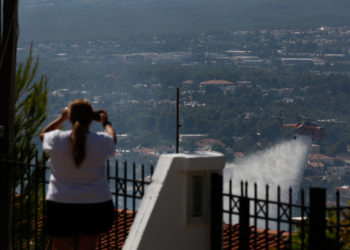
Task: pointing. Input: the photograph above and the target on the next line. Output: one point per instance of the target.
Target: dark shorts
(66, 219)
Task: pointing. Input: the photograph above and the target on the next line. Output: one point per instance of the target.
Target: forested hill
(128, 56)
(107, 19)
(141, 103)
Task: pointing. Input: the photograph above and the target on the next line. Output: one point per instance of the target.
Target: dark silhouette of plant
(30, 113)
(30, 107)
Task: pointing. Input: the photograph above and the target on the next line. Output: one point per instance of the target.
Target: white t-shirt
(84, 184)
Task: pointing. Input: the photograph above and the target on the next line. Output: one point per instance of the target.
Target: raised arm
(55, 124)
(107, 125)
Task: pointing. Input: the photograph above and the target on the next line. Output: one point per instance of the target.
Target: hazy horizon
(84, 19)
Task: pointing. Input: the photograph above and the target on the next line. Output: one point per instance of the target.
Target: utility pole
(8, 49)
(177, 119)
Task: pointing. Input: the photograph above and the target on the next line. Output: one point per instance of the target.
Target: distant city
(126, 76)
(322, 50)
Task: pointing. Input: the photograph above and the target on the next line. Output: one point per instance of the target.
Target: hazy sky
(87, 19)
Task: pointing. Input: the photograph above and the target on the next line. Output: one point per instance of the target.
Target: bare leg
(63, 243)
(86, 242)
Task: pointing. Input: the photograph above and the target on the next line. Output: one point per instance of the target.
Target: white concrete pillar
(175, 210)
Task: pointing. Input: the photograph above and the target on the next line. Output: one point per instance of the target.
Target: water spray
(280, 165)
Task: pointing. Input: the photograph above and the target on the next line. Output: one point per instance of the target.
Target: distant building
(216, 83)
(318, 163)
(302, 61)
(296, 60)
(244, 83)
(164, 150)
(187, 82)
(147, 153)
(223, 85)
(338, 170)
(245, 59)
(184, 137)
(207, 144)
(238, 155)
(322, 158)
(316, 168)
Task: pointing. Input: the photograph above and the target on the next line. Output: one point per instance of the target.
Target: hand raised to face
(65, 113)
(103, 116)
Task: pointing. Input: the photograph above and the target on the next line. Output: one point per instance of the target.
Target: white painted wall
(164, 221)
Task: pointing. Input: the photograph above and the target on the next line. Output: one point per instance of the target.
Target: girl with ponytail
(79, 205)
(80, 115)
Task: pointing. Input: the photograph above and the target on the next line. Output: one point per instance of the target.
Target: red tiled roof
(320, 157)
(123, 220)
(257, 238)
(316, 164)
(216, 82)
(239, 154)
(164, 148)
(209, 142)
(116, 237)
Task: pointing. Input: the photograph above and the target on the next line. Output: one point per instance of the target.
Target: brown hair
(80, 114)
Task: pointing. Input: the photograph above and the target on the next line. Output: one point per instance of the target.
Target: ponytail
(78, 139)
(81, 115)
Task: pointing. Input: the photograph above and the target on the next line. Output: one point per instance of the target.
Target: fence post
(317, 229)
(216, 212)
(244, 230)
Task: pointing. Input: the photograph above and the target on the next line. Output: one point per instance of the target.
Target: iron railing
(28, 207)
(271, 222)
(30, 180)
(249, 222)
(128, 184)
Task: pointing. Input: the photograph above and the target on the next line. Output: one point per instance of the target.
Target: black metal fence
(128, 184)
(272, 223)
(30, 181)
(28, 206)
(249, 222)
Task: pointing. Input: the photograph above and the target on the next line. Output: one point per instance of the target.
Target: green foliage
(30, 107)
(30, 113)
(331, 234)
(147, 113)
(344, 233)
